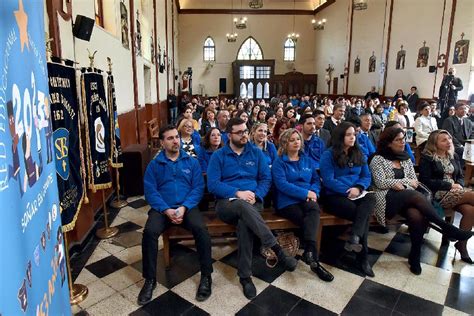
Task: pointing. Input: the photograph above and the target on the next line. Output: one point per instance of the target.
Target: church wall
(269, 31)
(412, 23)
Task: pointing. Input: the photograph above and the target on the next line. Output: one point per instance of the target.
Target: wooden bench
(153, 130)
(216, 227)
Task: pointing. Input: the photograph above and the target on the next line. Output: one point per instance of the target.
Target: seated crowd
(350, 157)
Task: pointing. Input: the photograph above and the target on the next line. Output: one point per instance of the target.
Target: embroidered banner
(67, 142)
(116, 155)
(33, 275)
(97, 125)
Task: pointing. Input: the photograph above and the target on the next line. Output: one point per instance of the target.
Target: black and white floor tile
(111, 269)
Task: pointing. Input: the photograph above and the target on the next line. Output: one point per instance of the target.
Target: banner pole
(118, 203)
(106, 232)
(77, 292)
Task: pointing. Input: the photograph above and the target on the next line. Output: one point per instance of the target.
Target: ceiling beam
(247, 11)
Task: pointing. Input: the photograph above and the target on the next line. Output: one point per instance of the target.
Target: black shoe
(249, 288)
(147, 291)
(415, 267)
(204, 289)
(353, 244)
(414, 262)
(366, 268)
(463, 252)
(317, 268)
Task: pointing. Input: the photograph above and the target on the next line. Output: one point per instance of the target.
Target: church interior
(222, 50)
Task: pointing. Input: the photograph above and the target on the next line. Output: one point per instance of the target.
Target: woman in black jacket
(441, 172)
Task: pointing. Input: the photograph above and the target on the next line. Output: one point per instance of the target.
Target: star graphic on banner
(22, 21)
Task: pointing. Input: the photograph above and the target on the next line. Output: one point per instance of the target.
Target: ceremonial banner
(67, 142)
(116, 155)
(33, 275)
(97, 123)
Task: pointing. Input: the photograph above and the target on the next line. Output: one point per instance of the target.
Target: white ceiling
(238, 4)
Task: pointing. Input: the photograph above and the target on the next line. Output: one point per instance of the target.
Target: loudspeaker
(83, 27)
(432, 69)
(223, 85)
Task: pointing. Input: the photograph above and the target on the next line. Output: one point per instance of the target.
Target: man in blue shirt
(173, 187)
(239, 176)
(313, 145)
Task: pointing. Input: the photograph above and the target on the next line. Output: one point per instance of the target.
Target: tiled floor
(111, 269)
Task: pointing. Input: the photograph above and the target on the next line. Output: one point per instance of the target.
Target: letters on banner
(33, 275)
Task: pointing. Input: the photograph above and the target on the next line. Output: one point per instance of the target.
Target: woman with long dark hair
(297, 188)
(441, 171)
(395, 184)
(346, 176)
(211, 142)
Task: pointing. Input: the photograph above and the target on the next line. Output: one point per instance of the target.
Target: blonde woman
(190, 139)
(441, 172)
(297, 188)
(258, 136)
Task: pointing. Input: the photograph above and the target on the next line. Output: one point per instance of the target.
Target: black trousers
(357, 211)
(306, 216)
(157, 223)
(249, 223)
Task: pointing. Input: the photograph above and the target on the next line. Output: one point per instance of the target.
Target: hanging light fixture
(318, 24)
(360, 4)
(256, 4)
(293, 36)
(232, 36)
(242, 22)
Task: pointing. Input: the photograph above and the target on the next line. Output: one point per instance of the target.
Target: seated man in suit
(239, 176)
(173, 187)
(321, 132)
(460, 127)
(337, 117)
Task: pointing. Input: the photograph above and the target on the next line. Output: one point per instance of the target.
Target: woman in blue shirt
(258, 136)
(346, 176)
(211, 142)
(297, 189)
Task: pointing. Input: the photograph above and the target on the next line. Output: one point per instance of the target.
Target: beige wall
(412, 23)
(269, 31)
(107, 42)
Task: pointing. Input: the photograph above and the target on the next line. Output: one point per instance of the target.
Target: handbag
(287, 241)
(423, 189)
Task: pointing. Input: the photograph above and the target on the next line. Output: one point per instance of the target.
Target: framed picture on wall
(423, 55)
(372, 62)
(461, 50)
(401, 58)
(357, 65)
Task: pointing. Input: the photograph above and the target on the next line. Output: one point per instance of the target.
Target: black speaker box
(432, 69)
(223, 85)
(83, 27)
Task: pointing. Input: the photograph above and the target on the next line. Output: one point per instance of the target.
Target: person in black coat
(441, 172)
(322, 133)
(412, 99)
(448, 91)
(460, 127)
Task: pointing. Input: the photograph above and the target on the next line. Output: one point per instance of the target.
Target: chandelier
(293, 36)
(256, 4)
(231, 37)
(360, 4)
(240, 23)
(318, 25)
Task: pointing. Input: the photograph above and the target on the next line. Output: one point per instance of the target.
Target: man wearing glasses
(239, 176)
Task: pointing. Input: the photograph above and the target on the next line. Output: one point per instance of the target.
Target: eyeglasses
(241, 133)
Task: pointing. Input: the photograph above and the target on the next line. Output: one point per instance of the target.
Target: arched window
(209, 49)
(266, 90)
(250, 91)
(243, 90)
(259, 90)
(289, 50)
(250, 50)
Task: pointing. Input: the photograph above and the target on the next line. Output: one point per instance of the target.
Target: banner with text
(33, 275)
(97, 123)
(116, 156)
(67, 142)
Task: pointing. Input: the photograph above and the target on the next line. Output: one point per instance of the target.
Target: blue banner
(33, 276)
